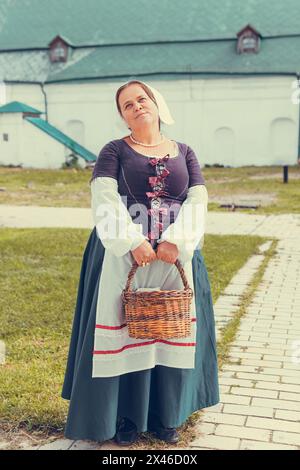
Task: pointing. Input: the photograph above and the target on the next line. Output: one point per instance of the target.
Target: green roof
(34, 23)
(276, 55)
(139, 39)
(62, 138)
(18, 107)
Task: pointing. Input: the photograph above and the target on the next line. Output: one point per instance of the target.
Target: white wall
(10, 124)
(29, 146)
(30, 94)
(228, 121)
(231, 121)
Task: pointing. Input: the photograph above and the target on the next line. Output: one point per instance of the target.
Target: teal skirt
(167, 394)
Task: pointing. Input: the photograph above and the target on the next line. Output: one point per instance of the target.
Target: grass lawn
(38, 282)
(262, 186)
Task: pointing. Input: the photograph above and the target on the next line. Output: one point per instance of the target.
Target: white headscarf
(163, 110)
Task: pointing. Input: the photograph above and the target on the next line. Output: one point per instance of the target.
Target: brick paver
(264, 364)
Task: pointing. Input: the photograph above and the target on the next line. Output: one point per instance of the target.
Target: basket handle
(135, 266)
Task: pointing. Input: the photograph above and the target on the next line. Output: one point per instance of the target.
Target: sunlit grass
(71, 188)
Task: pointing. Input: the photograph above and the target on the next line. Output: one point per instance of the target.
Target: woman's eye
(130, 103)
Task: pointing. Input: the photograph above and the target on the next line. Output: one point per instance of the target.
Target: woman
(149, 204)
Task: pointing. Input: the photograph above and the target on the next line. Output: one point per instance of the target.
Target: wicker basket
(158, 314)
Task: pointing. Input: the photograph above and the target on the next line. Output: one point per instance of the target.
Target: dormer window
(58, 52)
(58, 49)
(248, 40)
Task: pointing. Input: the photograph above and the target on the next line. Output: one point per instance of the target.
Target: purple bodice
(153, 189)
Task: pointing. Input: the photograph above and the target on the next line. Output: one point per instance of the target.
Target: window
(248, 40)
(58, 50)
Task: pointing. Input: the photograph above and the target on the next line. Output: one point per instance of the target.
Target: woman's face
(138, 109)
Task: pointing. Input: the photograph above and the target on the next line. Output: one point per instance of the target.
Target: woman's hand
(167, 252)
(144, 252)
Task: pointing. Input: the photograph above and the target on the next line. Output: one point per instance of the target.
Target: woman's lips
(142, 114)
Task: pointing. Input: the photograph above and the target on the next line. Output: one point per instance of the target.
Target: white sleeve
(114, 225)
(187, 232)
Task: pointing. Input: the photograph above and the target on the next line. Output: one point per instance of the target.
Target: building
(228, 70)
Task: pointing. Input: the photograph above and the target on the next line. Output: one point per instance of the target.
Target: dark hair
(145, 88)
